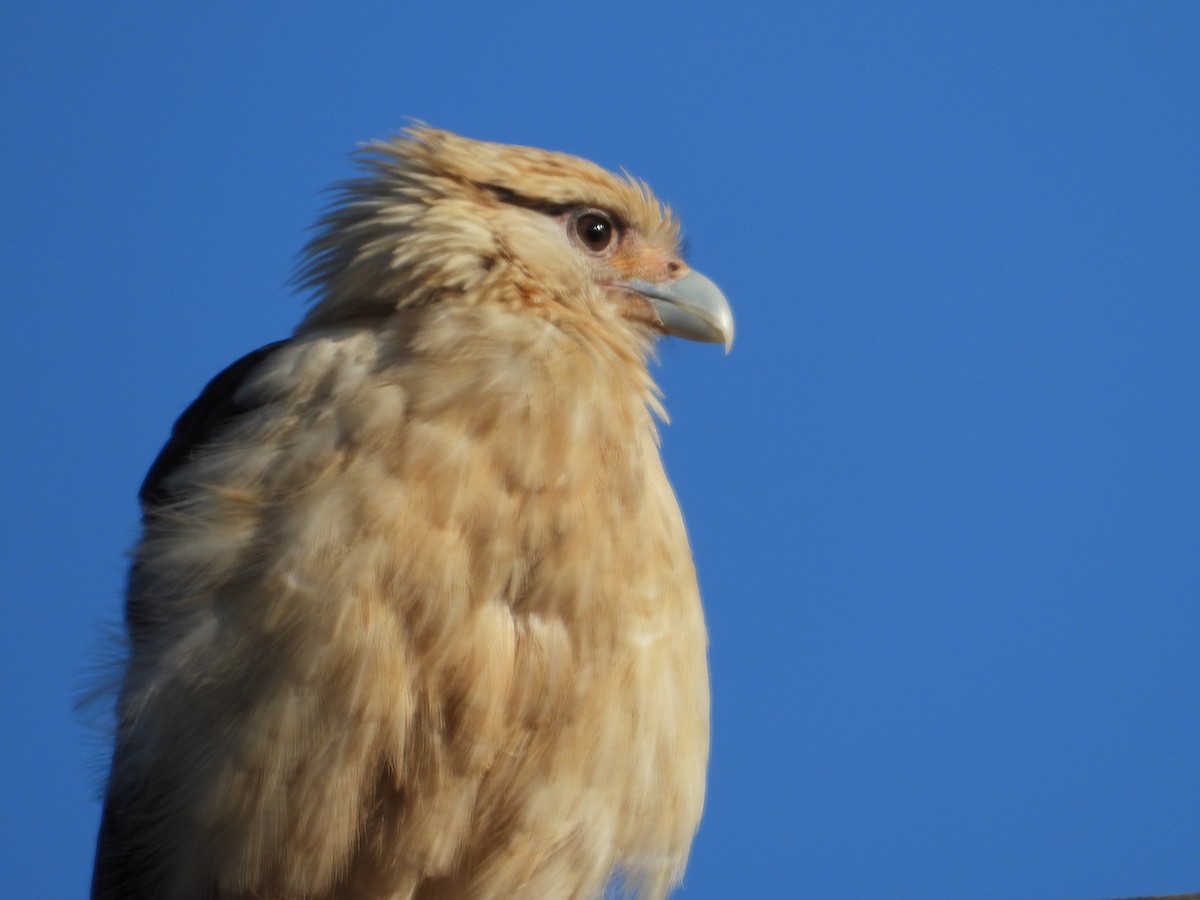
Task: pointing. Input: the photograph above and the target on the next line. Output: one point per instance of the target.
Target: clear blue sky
(944, 495)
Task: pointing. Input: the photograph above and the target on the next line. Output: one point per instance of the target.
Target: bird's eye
(596, 230)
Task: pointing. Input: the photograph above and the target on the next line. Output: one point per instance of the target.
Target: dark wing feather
(199, 423)
(122, 870)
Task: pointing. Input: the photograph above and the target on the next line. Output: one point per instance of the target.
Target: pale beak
(690, 307)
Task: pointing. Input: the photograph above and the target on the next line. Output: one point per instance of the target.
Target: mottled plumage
(414, 613)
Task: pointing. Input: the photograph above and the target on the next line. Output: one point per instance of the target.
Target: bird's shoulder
(217, 404)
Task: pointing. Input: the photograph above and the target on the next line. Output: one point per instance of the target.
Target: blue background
(944, 494)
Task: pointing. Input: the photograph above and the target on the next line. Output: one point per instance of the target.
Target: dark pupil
(595, 231)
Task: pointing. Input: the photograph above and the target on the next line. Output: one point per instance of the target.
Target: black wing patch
(199, 423)
(119, 873)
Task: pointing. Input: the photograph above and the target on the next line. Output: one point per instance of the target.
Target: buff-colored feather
(414, 612)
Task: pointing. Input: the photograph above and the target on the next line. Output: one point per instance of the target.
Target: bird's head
(438, 218)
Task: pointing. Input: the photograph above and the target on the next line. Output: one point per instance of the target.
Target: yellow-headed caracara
(413, 613)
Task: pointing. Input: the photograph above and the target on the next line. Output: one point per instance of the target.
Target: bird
(413, 611)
